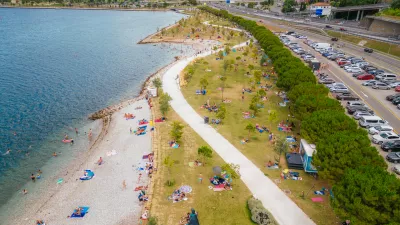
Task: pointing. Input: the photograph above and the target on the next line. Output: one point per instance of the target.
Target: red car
(397, 89)
(366, 77)
(342, 29)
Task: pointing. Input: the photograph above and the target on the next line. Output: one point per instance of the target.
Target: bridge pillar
(358, 14)
(362, 13)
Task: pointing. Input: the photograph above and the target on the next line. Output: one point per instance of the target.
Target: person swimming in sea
(54, 154)
(66, 137)
(7, 152)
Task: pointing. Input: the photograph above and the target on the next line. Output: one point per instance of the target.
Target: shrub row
(364, 191)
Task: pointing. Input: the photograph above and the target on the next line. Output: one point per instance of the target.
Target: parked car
(376, 72)
(354, 103)
(329, 27)
(358, 114)
(378, 129)
(351, 66)
(393, 146)
(394, 84)
(326, 81)
(393, 96)
(342, 29)
(354, 109)
(368, 67)
(334, 39)
(393, 157)
(347, 96)
(396, 101)
(369, 50)
(396, 169)
(339, 89)
(357, 74)
(369, 83)
(366, 77)
(353, 70)
(381, 86)
(384, 137)
(397, 89)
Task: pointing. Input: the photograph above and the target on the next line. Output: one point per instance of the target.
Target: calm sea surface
(57, 67)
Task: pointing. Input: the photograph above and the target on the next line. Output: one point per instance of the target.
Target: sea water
(57, 67)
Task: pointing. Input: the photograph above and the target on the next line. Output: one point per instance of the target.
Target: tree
(223, 79)
(221, 112)
(253, 107)
(324, 123)
(157, 82)
(395, 4)
(307, 89)
(251, 5)
(262, 93)
(193, 30)
(303, 6)
(221, 54)
(368, 195)
(307, 104)
(288, 6)
(169, 163)
(205, 153)
(192, 2)
(231, 33)
(227, 49)
(272, 116)
(203, 83)
(164, 103)
(343, 150)
(250, 128)
(281, 147)
(176, 131)
(257, 76)
(251, 67)
(227, 65)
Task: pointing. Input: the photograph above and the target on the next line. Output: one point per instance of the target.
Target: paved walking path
(285, 211)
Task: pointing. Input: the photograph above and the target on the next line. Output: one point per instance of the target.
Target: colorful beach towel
(84, 210)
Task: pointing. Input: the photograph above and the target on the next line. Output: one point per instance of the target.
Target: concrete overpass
(360, 9)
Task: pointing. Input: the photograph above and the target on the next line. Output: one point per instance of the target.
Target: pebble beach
(110, 193)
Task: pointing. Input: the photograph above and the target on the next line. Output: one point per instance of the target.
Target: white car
(369, 83)
(297, 50)
(384, 137)
(351, 66)
(354, 103)
(339, 89)
(358, 114)
(302, 37)
(378, 129)
(354, 70)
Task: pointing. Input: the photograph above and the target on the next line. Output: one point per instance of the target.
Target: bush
(259, 214)
(152, 220)
(228, 168)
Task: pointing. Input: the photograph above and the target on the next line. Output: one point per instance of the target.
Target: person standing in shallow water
(33, 177)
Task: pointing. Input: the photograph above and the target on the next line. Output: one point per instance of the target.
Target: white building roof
(308, 148)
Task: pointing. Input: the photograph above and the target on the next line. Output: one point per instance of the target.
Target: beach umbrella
(217, 170)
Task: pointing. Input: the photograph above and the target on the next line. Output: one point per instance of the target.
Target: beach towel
(175, 145)
(84, 210)
(143, 133)
(317, 199)
(191, 164)
(59, 181)
(89, 175)
(185, 189)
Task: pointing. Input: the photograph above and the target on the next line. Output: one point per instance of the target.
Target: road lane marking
(364, 94)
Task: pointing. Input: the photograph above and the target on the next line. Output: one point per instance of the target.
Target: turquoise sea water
(57, 67)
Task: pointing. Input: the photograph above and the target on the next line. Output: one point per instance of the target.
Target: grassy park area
(194, 28)
(238, 69)
(226, 207)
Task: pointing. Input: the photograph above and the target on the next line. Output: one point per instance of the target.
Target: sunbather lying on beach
(100, 161)
(78, 211)
(39, 222)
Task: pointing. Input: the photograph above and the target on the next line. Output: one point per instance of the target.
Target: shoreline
(84, 8)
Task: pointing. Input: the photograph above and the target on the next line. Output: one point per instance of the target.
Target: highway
(359, 31)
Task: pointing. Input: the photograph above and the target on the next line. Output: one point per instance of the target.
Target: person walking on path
(201, 178)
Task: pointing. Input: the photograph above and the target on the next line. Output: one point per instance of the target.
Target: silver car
(369, 83)
(358, 114)
(381, 86)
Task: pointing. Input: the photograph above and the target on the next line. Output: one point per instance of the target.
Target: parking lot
(374, 99)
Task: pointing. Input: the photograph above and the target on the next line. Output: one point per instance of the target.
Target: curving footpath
(284, 210)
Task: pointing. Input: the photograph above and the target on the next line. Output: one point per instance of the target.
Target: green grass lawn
(214, 208)
(259, 150)
(193, 28)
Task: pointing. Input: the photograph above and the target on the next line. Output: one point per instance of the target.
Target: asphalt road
(320, 24)
(375, 99)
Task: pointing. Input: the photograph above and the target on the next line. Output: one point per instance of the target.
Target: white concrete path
(285, 211)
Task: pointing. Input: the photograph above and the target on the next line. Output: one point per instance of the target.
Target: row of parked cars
(381, 132)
